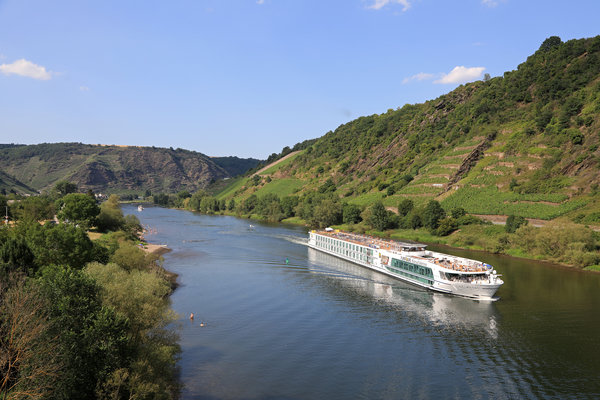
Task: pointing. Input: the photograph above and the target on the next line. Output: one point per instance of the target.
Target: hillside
(8, 184)
(115, 168)
(525, 143)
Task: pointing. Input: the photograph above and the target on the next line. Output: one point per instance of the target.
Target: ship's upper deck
(412, 250)
(371, 241)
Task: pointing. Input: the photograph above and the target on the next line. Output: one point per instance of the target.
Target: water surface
(318, 327)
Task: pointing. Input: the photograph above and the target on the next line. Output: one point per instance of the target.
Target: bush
(351, 214)
(513, 223)
(446, 227)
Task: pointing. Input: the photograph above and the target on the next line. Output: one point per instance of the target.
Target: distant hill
(116, 169)
(234, 165)
(10, 184)
(525, 143)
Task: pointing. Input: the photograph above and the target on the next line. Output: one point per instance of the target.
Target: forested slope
(525, 143)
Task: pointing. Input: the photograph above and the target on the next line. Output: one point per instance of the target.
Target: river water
(318, 327)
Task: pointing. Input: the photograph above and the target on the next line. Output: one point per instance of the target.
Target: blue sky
(247, 78)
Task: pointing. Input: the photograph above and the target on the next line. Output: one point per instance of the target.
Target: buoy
(192, 316)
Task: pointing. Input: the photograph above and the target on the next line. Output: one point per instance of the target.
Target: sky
(248, 77)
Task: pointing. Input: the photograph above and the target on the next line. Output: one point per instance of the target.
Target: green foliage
(490, 200)
(130, 257)
(405, 207)
(62, 244)
(561, 241)
(249, 204)
(551, 43)
(140, 296)
(328, 186)
(288, 205)
(63, 188)
(15, 255)
(379, 218)
(458, 212)
(513, 223)
(92, 339)
(446, 226)
(269, 206)
(78, 208)
(34, 208)
(110, 217)
(327, 212)
(161, 199)
(432, 214)
(351, 214)
(231, 205)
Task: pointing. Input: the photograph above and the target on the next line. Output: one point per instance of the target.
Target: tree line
(81, 318)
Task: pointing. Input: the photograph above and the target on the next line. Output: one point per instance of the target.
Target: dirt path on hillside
(260, 171)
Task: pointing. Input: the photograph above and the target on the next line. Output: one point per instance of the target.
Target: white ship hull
(411, 263)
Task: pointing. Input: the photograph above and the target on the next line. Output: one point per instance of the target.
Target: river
(318, 327)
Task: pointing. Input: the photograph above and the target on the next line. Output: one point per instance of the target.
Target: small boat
(140, 208)
(250, 227)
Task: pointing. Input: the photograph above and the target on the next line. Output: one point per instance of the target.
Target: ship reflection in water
(450, 312)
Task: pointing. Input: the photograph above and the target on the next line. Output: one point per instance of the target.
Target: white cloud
(260, 1)
(421, 76)
(84, 88)
(26, 68)
(461, 74)
(379, 4)
(489, 3)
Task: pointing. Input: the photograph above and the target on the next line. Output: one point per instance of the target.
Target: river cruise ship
(411, 262)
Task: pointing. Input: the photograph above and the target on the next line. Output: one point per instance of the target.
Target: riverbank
(560, 242)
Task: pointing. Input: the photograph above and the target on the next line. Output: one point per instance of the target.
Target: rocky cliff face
(110, 168)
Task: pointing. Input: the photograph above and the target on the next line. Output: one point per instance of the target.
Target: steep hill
(525, 143)
(114, 168)
(9, 183)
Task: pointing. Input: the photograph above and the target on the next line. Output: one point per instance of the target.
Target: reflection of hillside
(437, 308)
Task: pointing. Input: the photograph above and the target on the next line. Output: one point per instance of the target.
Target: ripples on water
(321, 328)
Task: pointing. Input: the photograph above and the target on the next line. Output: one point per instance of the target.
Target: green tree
(405, 207)
(288, 204)
(327, 187)
(458, 212)
(446, 226)
(92, 339)
(415, 221)
(249, 204)
(35, 208)
(432, 214)
(351, 213)
(15, 254)
(141, 296)
(63, 245)
(326, 213)
(130, 257)
(379, 218)
(550, 43)
(110, 217)
(513, 223)
(231, 205)
(78, 208)
(63, 188)
(161, 199)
